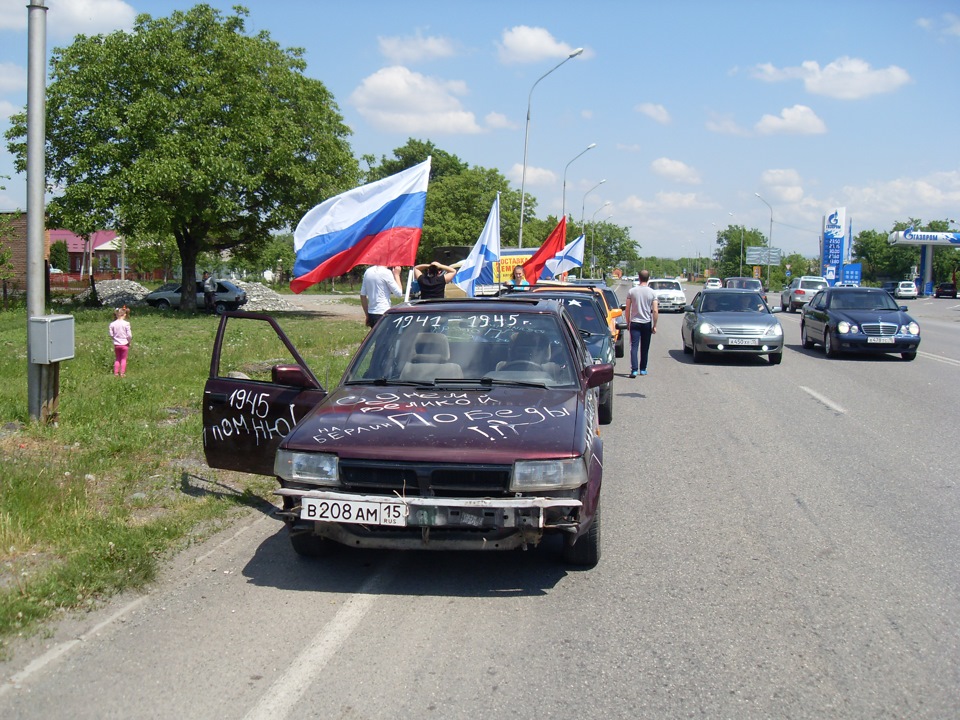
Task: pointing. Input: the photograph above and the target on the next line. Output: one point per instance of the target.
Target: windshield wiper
(488, 381)
(382, 381)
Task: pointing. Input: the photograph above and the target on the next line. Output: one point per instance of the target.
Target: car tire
(698, 355)
(828, 347)
(220, 307)
(162, 305)
(908, 356)
(807, 342)
(686, 348)
(618, 348)
(775, 358)
(605, 409)
(585, 552)
(306, 544)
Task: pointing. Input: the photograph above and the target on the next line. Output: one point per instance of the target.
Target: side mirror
(291, 375)
(688, 308)
(597, 375)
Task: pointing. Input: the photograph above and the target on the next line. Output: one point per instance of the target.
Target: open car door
(253, 398)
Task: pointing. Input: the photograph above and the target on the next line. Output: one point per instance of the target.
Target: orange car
(612, 312)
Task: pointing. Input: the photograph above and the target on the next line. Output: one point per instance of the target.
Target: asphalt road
(779, 542)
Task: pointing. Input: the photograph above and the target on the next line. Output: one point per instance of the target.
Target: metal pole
(526, 137)
(36, 140)
(589, 147)
(769, 237)
(583, 207)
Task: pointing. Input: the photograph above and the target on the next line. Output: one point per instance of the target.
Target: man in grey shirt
(642, 314)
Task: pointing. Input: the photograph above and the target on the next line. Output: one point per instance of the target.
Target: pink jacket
(120, 332)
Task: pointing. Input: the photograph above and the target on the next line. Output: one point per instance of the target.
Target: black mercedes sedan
(860, 320)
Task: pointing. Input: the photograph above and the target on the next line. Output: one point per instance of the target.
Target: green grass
(91, 503)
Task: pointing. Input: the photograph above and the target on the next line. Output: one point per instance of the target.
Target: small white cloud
(949, 25)
(416, 48)
(396, 99)
(535, 176)
(725, 125)
(782, 185)
(657, 113)
(845, 78)
(13, 77)
(935, 195)
(679, 201)
(635, 147)
(796, 120)
(525, 44)
(67, 18)
(499, 121)
(675, 170)
(586, 114)
(7, 109)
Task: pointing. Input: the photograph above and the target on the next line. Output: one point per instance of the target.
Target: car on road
(746, 283)
(890, 286)
(670, 295)
(905, 289)
(863, 320)
(731, 321)
(228, 297)
(712, 284)
(464, 424)
(800, 290)
(613, 311)
(945, 289)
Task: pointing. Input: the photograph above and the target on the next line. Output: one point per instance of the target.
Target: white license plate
(742, 341)
(358, 512)
(880, 340)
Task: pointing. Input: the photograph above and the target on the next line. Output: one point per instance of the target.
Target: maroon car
(460, 424)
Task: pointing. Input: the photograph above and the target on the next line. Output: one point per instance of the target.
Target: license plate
(742, 341)
(880, 340)
(358, 512)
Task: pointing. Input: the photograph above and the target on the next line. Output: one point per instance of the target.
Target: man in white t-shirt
(379, 283)
(642, 314)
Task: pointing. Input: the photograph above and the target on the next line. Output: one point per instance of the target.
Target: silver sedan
(731, 321)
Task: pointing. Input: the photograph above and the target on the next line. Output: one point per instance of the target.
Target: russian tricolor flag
(375, 224)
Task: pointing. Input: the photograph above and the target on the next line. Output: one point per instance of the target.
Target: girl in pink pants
(121, 335)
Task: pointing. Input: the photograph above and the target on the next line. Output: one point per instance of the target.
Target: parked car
(613, 302)
(712, 284)
(800, 290)
(746, 283)
(890, 286)
(612, 311)
(670, 295)
(459, 424)
(729, 321)
(861, 319)
(906, 289)
(945, 290)
(228, 297)
(589, 315)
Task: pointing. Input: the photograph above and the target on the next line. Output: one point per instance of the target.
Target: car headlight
(911, 329)
(774, 330)
(308, 468)
(843, 327)
(707, 328)
(531, 475)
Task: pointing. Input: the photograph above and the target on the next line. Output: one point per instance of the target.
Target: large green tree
(189, 127)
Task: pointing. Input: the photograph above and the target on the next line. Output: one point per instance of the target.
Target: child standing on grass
(121, 334)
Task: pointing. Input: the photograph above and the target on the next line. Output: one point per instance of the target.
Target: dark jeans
(372, 320)
(640, 334)
(210, 301)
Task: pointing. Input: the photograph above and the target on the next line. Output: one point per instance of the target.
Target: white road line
(820, 398)
(282, 696)
(940, 358)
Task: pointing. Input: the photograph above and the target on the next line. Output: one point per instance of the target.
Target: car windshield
(585, 311)
(733, 302)
(744, 283)
(812, 284)
(854, 300)
(427, 345)
(665, 285)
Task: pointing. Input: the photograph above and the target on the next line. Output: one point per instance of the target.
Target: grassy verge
(90, 505)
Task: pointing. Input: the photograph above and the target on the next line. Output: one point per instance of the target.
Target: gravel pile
(114, 293)
(260, 298)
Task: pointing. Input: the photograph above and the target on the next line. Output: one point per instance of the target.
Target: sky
(700, 114)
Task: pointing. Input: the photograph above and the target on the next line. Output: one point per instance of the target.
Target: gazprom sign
(912, 237)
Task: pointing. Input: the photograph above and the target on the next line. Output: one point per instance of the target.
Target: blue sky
(695, 106)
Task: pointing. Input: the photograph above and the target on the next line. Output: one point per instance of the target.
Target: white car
(905, 289)
(670, 295)
(712, 284)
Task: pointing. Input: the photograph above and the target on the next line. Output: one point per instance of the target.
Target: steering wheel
(521, 365)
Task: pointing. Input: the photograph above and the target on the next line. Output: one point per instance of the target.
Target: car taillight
(800, 292)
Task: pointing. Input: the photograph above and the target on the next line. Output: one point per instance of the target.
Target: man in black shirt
(432, 278)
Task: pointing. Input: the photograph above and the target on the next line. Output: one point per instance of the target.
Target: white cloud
(675, 170)
(7, 109)
(396, 99)
(784, 185)
(666, 202)
(499, 121)
(725, 125)
(628, 148)
(796, 120)
(949, 25)
(411, 49)
(845, 78)
(13, 77)
(525, 44)
(67, 18)
(931, 197)
(657, 113)
(535, 176)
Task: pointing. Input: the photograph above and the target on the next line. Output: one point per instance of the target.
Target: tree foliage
(188, 127)
(59, 255)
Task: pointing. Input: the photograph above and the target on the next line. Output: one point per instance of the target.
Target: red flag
(555, 243)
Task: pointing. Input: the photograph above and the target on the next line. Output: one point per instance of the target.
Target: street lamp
(583, 207)
(526, 137)
(769, 237)
(589, 147)
(741, 249)
(593, 236)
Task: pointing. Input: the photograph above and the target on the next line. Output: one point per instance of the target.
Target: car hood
(738, 319)
(405, 423)
(859, 317)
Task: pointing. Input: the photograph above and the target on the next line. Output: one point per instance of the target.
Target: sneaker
(633, 374)
(643, 372)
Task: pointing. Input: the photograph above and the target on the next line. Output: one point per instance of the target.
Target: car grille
(424, 479)
(879, 328)
(735, 331)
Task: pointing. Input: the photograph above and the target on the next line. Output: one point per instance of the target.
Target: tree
(188, 127)
(730, 262)
(59, 255)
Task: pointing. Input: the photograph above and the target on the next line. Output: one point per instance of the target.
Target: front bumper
(667, 304)
(858, 342)
(754, 345)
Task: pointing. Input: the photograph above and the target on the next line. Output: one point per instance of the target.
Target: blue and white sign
(833, 233)
(852, 273)
(912, 237)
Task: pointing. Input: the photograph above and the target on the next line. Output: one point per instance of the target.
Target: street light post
(583, 206)
(593, 237)
(769, 237)
(741, 248)
(526, 137)
(589, 147)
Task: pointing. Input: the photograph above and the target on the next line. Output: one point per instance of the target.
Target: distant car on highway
(945, 289)
(731, 321)
(712, 284)
(799, 292)
(906, 289)
(670, 295)
(746, 283)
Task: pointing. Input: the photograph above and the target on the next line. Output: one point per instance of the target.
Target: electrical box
(51, 339)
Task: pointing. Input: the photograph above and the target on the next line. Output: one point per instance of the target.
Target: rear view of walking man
(642, 314)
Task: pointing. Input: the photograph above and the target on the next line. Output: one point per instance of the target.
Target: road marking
(282, 696)
(940, 358)
(820, 398)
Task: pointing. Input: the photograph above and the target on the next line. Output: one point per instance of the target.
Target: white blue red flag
(566, 260)
(555, 242)
(487, 250)
(375, 224)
